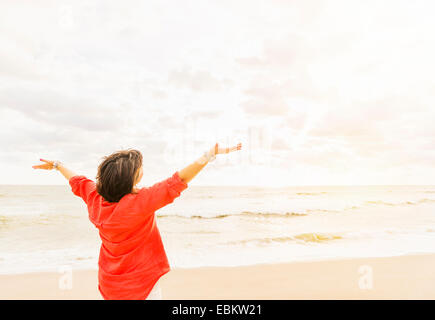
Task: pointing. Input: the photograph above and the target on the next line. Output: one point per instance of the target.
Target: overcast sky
(318, 92)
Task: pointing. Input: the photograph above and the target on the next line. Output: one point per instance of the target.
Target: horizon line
(266, 186)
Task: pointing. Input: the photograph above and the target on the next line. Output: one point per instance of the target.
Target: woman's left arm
(50, 165)
(189, 172)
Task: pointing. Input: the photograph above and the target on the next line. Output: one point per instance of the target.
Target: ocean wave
(317, 237)
(205, 197)
(312, 237)
(4, 220)
(427, 201)
(80, 258)
(353, 208)
(242, 214)
(19, 221)
(399, 204)
(311, 193)
(384, 203)
(196, 232)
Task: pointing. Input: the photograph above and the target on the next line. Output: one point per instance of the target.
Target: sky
(318, 92)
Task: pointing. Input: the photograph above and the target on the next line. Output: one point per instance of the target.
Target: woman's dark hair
(117, 174)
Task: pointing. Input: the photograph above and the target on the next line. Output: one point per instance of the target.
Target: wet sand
(404, 277)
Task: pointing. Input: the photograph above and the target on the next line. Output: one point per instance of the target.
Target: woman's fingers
(217, 150)
(42, 166)
(47, 161)
(48, 165)
(235, 148)
(228, 150)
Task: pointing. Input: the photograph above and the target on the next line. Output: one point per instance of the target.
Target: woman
(132, 257)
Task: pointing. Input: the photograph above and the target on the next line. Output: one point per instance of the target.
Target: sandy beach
(404, 277)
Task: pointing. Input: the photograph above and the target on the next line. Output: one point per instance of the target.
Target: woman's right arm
(49, 165)
(80, 185)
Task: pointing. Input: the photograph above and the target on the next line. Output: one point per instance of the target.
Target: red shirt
(132, 256)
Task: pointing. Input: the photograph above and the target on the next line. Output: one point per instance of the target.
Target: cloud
(271, 106)
(266, 98)
(346, 87)
(62, 109)
(200, 80)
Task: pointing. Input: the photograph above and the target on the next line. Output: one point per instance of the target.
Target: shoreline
(398, 277)
(305, 260)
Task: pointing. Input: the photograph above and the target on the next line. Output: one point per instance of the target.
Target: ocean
(44, 228)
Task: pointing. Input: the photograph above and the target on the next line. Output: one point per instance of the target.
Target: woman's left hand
(217, 150)
(47, 165)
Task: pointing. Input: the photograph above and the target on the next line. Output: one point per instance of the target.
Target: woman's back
(132, 256)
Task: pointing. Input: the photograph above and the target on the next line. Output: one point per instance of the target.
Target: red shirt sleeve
(82, 187)
(162, 193)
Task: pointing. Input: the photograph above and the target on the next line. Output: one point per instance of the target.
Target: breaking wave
(312, 237)
(242, 214)
(399, 204)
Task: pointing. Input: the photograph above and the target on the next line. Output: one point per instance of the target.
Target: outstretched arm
(49, 165)
(164, 192)
(189, 172)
